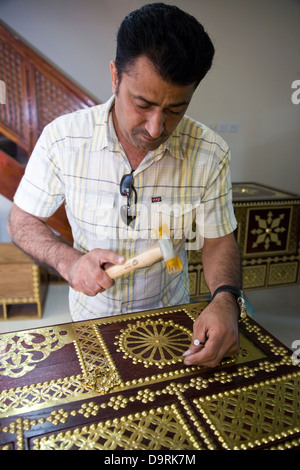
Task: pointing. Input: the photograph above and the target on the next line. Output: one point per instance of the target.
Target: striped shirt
(78, 161)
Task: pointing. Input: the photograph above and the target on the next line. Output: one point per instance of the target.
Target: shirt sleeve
(216, 211)
(41, 190)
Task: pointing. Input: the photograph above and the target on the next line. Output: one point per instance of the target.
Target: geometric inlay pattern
(154, 342)
(254, 414)
(283, 273)
(162, 428)
(269, 232)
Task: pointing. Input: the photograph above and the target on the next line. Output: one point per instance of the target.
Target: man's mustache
(139, 131)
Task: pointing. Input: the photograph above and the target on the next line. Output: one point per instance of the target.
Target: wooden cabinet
(268, 235)
(22, 284)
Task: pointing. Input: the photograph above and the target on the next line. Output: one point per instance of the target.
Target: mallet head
(172, 259)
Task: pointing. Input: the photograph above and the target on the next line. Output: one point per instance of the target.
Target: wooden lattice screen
(35, 94)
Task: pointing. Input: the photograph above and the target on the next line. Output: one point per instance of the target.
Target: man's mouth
(147, 138)
(150, 139)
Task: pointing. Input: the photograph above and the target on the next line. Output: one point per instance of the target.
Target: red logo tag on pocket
(156, 199)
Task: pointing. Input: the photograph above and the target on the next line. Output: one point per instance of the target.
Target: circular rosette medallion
(154, 343)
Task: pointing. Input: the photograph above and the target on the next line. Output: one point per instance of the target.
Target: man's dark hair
(174, 41)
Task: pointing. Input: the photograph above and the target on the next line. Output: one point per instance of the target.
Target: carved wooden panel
(37, 92)
(14, 113)
(52, 98)
(119, 383)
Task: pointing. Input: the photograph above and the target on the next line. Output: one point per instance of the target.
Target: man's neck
(134, 156)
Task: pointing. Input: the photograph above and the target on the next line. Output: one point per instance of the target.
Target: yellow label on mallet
(174, 265)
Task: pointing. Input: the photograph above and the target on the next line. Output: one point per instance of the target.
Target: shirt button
(126, 281)
(123, 310)
(127, 247)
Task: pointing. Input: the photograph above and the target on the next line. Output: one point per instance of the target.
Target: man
(141, 134)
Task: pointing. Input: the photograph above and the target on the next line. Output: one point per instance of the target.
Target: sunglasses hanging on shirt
(128, 212)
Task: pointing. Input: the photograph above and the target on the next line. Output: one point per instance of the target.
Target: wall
(248, 89)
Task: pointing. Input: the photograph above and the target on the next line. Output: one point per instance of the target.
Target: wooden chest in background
(22, 284)
(268, 235)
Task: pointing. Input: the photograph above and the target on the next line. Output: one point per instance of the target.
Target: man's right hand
(86, 273)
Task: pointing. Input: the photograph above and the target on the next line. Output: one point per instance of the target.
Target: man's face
(147, 108)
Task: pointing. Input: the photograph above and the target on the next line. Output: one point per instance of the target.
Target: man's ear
(114, 77)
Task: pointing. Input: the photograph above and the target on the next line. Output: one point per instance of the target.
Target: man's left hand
(217, 328)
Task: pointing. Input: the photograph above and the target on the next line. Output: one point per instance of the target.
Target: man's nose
(155, 124)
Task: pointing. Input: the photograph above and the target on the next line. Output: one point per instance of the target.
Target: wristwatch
(239, 298)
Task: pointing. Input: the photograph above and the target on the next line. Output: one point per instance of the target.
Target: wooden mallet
(163, 249)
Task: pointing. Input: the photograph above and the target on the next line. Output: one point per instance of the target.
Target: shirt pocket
(177, 215)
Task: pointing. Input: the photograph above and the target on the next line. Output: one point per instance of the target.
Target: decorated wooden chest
(23, 284)
(119, 383)
(268, 234)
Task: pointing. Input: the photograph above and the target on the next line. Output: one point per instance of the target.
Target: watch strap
(239, 297)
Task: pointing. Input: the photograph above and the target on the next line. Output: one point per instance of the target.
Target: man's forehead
(147, 84)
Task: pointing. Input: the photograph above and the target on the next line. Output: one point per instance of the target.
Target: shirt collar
(173, 144)
(104, 134)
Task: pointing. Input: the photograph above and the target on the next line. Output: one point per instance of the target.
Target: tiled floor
(277, 310)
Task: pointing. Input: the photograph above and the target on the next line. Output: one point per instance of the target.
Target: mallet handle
(146, 258)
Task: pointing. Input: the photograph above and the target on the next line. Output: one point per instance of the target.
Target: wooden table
(119, 383)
